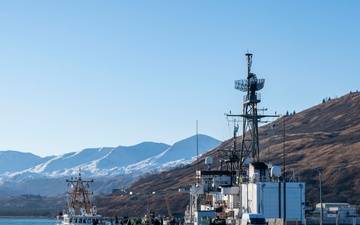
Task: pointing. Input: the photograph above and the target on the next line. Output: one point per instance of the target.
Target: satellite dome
(209, 160)
(275, 171)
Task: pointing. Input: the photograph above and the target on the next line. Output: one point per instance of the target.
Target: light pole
(319, 169)
(147, 201)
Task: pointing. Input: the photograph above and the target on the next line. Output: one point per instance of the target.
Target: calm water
(11, 221)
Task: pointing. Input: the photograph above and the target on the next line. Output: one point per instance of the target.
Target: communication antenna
(197, 149)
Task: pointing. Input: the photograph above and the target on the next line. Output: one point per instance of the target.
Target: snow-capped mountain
(111, 167)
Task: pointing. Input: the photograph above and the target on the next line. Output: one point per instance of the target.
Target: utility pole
(319, 169)
(284, 158)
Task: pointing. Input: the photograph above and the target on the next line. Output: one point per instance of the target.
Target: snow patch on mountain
(100, 163)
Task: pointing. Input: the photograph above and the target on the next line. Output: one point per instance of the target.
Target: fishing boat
(80, 209)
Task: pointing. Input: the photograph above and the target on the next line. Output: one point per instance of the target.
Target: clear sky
(85, 73)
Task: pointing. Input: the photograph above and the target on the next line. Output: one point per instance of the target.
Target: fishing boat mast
(80, 196)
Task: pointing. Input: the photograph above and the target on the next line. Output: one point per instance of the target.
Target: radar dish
(241, 85)
(260, 84)
(275, 171)
(244, 86)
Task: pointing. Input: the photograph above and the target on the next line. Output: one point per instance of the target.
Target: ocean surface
(24, 221)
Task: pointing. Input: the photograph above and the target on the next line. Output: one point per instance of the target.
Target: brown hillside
(326, 135)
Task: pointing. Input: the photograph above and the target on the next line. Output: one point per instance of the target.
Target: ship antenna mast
(250, 146)
(80, 196)
(249, 151)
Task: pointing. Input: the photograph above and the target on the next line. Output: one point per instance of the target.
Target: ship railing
(257, 96)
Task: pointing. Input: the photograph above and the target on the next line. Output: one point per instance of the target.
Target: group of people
(154, 221)
(127, 221)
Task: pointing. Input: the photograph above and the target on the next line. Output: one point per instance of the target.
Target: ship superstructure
(245, 184)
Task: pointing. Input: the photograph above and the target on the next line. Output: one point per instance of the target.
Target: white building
(337, 213)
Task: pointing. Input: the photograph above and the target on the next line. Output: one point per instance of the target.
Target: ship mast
(250, 145)
(80, 196)
(249, 151)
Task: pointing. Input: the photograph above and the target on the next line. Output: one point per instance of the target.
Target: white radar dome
(209, 160)
(275, 171)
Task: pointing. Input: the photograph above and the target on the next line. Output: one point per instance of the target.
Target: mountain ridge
(122, 162)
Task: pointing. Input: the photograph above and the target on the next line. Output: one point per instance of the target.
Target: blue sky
(79, 74)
